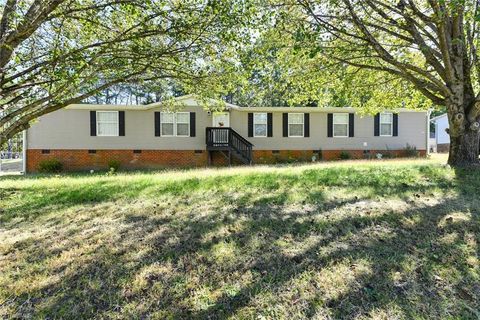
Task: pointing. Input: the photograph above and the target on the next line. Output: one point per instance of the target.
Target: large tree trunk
(464, 149)
(464, 136)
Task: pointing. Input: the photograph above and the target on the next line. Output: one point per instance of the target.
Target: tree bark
(464, 150)
(464, 138)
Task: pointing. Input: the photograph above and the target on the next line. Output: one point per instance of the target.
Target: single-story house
(86, 136)
(442, 139)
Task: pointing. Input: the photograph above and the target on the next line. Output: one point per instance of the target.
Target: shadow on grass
(248, 253)
(41, 198)
(432, 292)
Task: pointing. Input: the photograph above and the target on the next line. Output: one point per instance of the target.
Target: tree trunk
(464, 149)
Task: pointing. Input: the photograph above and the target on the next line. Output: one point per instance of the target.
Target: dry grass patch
(359, 240)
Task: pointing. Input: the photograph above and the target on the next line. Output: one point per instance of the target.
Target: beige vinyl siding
(70, 129)
(411, 129)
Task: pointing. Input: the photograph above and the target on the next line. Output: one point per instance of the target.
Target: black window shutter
(306, 125)
(330, 125)
(250, 124)
(157, 124)
(395, 124)
(193, 125)
(285, 124)
(351, 124)
(121, 123)
(377, 125)
(93, 123)
(269, 124)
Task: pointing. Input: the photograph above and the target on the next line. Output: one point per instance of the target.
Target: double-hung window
(182, 124)
(175, 124)
(107, 123)
(167, 124)
(340, 125)
(259, 124)
(386, 124)
(295, 124)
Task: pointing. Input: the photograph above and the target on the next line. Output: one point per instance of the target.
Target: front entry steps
(229, 143)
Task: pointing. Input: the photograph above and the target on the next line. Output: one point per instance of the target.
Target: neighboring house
(442, 139)
(87, 137)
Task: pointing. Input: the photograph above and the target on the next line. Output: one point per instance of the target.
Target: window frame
(265, 124)
(347, 124)
(97, 122)
(390, 123)
(302, 123)
(162, 122)
(187, 123)
(175, 123)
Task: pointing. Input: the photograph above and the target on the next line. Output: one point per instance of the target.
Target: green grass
(388, 239)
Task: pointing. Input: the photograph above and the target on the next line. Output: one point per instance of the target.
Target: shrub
(411, 151)
(344, 155)
(388, 154)
(50, 166)
(113, 165)
(291, 159)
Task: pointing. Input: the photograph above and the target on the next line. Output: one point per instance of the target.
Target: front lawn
(392, 239)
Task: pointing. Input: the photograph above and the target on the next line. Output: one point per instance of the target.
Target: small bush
(111, 172)
(291, 159)
(50, 166)
(113, 165)
(411, 151)
(388, 155)
(344, 155)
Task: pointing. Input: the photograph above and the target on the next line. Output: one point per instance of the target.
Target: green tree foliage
(387, 53)
(286, 66)
(57, 52)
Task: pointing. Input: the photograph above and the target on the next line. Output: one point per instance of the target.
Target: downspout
(24, 151)
(429, 112)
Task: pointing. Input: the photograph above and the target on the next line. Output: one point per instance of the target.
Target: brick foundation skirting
(82, 160)
(269, 156)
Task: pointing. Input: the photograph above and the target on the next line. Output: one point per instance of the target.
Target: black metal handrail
(226, 137)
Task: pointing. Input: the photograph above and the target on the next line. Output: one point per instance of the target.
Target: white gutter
(228, 106)
(24, 152)
(312, 109)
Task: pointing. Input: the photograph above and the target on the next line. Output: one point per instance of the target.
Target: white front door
(221, 119)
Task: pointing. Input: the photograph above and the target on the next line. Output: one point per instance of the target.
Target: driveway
(11, 166)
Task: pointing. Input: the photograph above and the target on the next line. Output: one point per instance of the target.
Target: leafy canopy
(57, 52)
